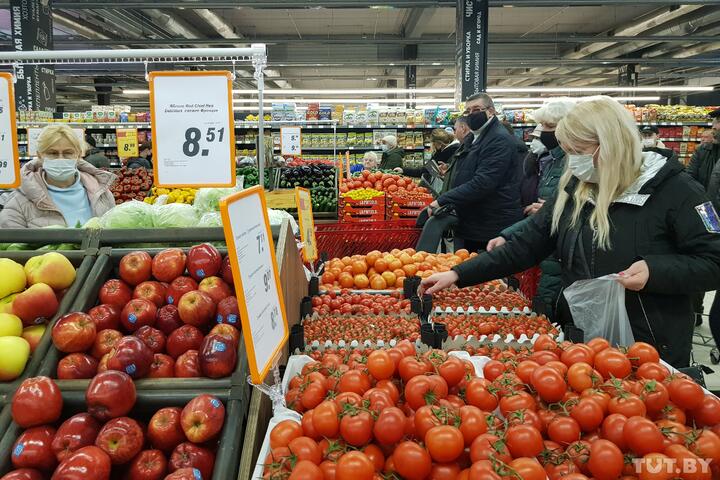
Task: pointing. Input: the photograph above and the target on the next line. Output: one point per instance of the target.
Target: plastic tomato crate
(529, 282)
(415, 202)
(344, 239)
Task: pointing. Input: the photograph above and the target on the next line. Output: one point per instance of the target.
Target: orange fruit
(361, 281)
(399, 272)
(462, 253)
(418, 257)
(347, 269)
(359, 266)
(395, 252)
(400, 282)
(372, 257)
(328, 277)
(347, 261)
(389, 278)
(455, 260)
(337, 264)
(335, 271)
(473, 254)
(410, 251)
(381, 265)
(389, 258)
(423, 267)
(378, 283)
(410, 269)
(346, 280)
(405, 258)
(371, 271)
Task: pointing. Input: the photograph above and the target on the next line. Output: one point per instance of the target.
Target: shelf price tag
(255, 275)
(307, 224)
(290, 141)
(9, 158)
(193, 129)
(127, 142)
(34, 133)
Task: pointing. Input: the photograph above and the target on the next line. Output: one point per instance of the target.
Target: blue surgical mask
(583, 167)
(61, 169)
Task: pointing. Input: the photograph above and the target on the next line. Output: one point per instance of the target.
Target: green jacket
(550, 280)
(392, 159)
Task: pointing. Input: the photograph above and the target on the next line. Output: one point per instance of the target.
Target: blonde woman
(618, 210)
(58, 188)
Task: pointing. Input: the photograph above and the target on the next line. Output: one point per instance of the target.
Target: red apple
(179, 287)
(228, 311)
(33, 449)
(87, 463)
(227, 331)
(152, 291)
(105, 316)
(164, 429)
(183, 339)
(37, 401)
(131, 356)
(187, 365)
(74, 332)
(153, 338)
(218, 356)
(110, 394)
(226, 271)
(136, 267)
(216, 288)
(27, 474)
(148, 465)
(76, 432)
(36, 305)
(137, 313)
(203, 261)
(196, 308)
(187, 455)
(184, 474)
(202, 418)
(168, 319)
(163, 366)
(77, 366)
(168, 264)
(121, 438)
(115, 292)
(105, 341)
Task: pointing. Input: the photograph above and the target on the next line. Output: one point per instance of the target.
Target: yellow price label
(127, 142)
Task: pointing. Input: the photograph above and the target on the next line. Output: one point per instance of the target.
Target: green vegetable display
(319, 179)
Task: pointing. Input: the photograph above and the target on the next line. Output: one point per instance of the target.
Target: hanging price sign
(193, 130)
(290, 141)
(127, 142)
(9, 160)
(255, 274)
(307, 223)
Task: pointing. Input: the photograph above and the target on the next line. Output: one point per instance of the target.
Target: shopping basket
(345, 239)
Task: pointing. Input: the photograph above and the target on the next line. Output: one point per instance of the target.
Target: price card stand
(290, 141)
(257, 283)
(127, 142)
(303, 199)
(9, 159)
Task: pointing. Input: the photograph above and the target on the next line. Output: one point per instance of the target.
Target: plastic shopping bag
(598, 309)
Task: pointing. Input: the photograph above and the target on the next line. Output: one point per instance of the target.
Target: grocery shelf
(88, 125)
(680, 139)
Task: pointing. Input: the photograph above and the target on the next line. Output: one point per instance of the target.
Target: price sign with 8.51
(9, 161)
(193, 129)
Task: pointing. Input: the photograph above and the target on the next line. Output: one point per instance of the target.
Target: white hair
(553, 110)
(370, 156)
(391, 140)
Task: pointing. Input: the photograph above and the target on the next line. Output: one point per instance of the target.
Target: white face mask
(582, 166)
(61, 169)
(537, 147)
(384, 147)
(648, 142)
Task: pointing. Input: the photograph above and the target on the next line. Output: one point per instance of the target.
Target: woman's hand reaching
(439, 281)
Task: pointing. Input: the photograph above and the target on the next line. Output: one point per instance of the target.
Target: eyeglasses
(468, 111)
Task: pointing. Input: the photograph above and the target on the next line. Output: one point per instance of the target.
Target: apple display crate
(34, 238)
(148, 402)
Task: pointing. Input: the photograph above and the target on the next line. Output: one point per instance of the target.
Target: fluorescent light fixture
(138, 91)
(596, 89)
(349, 100)
(544, 99)
(346, 91)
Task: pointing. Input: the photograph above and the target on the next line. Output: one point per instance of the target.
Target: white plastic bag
(598, 309)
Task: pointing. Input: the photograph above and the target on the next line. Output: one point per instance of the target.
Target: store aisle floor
(703, 344)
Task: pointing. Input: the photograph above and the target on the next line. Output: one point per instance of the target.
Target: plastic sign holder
(303, 199)
(291, 141)
(257, 282)
(193, 129)
(127, 142)
(9, 158)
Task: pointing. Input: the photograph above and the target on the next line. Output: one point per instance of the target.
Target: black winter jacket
(486, 185)
(658, 224)
(703, 162)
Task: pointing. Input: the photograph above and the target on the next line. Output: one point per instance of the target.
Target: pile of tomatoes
(364, 303)
(384, 182)
(477, 325)
(335, 327)
(558, 411)
(481, 296)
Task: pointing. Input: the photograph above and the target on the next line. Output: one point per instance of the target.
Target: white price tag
(255, 274)
(34, 133)
(290, 141)
(9, 160)
(193, 129)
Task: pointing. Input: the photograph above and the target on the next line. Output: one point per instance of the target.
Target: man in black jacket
(485, 188)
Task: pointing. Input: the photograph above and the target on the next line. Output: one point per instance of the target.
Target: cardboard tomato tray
(105, 268)
(226, 448)
(83, 261)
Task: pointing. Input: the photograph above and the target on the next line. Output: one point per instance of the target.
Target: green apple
(14, 353)
(33, 335)
(7, 303)
(10, 325)
(12, 277)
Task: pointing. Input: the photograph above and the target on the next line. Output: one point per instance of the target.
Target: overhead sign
(127, 142)
(33, 134)
(255, 274)
(290, 141)
(193, 129)
(9, 160)
(472, 48)
(307, 224)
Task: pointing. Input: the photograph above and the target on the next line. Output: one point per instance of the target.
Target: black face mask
(476, 120)
(548, 139)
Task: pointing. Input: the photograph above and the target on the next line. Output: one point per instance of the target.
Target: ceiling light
(348, 100)
(346, 91)
(544, 99)
(138, 91)
(596, 89)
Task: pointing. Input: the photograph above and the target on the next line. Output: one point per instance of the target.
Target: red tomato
(564, 430)
(412, 461)
(524, 441)
(612, 363)
(389, 427)
(549, 384)
(444, 443)
(642, 436)
(355, 466)
(606, 460)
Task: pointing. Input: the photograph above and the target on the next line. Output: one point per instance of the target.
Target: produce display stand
(49, 236)
(344, 239)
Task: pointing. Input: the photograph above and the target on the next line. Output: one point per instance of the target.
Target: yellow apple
(10, 325)
(6, 304)
(33, 335)
(52, 268)
(14, 353)
(12, 277)
(37, 304)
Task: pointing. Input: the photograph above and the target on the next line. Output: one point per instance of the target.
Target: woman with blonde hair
(618, 210)
(58, 187)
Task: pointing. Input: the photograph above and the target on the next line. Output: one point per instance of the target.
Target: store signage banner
(257, 281)
(9, 160)
(193, 129)
(33, 133)
(290, 141)
(472, 47)
(303, 199)
(127, 142)
(32, 30)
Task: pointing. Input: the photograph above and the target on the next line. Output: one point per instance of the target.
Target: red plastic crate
(345, 239)
(529, 281)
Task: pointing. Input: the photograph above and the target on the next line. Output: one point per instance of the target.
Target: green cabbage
(208, 199)
(132, 214)
(210, 219)
(174, 215)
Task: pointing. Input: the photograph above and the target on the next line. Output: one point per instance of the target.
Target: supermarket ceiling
(330, 45)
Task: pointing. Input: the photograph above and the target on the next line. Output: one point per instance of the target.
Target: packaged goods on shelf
(97, 114)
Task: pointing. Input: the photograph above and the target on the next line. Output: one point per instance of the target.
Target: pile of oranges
(387, 270)
(384, 182)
